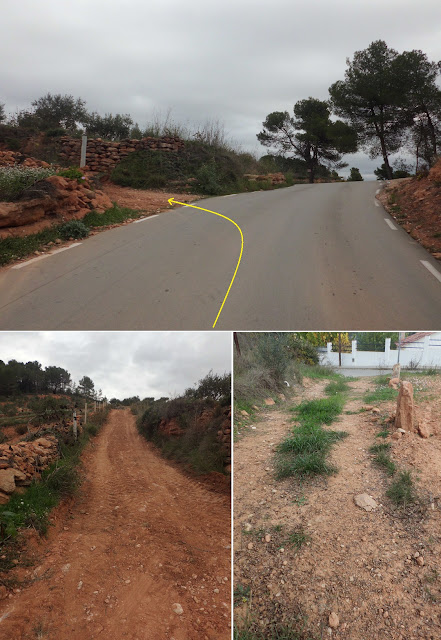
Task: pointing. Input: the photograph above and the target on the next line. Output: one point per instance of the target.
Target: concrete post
(426, 352)
(83, 151)
(75, 426)
(387, 351)
(354, 352)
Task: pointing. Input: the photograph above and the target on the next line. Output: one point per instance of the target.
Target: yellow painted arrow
(172, 201)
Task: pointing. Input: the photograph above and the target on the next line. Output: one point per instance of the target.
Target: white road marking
(432, 269)
(230, 194)
(46, 255)
(390, 224)
(148, 218)
(377, 204)
(377, 191)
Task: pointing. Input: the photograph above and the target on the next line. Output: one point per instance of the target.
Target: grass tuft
(402, 491)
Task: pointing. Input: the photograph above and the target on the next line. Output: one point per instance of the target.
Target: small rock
(248, 526)
(244, 413)
(80, 585)
(268, 538)
(376, 410)
(420, 561)
(250, 545)
(269, 402)
(365, 501)
(333, 620)
(178, 609)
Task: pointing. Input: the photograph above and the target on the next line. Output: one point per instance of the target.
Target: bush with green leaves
(73, 173)
(73, 229)
(16, 179)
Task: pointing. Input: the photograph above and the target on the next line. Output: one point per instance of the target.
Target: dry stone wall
(21, 463)
(103, 156)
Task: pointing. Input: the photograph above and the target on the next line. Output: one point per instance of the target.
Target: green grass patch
(383, 434)
(379, 448)
(241, 594)
(297, 538)
(383, 460)
(304, 452)
(21, 247)
(381, 393)
(402, 490)
(319, 372)
(272, 632)
(337, 386)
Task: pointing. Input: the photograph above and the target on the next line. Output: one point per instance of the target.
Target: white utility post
(83, 151)
(75, 426)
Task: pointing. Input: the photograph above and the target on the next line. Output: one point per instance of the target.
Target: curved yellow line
(172, 201)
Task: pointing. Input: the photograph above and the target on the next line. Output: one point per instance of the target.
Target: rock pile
(274, 178)
(21, 463)
(60, 198)
(11, 158)
(102, 156)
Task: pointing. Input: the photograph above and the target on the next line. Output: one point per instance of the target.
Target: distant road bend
(323, 256)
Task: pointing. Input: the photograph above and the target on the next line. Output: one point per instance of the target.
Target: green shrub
(21, 429)
(207, 179)
(15, 180)
(13, 144)
(55, 133)
(73, 173)
(73, 229)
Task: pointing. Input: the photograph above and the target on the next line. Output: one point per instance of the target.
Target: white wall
(426, 353)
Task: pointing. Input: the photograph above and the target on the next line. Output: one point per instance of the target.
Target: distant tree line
(388, 101)
(17, 378)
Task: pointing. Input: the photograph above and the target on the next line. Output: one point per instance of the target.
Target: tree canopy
(310, 135)
(384, 94)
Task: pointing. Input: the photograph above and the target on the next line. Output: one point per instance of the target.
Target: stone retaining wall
(103, 156)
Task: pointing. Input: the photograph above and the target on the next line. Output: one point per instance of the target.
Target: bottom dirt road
(141, 539)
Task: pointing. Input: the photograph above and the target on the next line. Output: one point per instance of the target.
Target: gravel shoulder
(141, 539)
(360, 565)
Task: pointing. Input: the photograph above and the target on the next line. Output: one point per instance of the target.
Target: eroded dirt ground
(141, 539)
(360, 565)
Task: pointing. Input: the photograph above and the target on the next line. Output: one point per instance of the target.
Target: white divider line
(46, 255)
(432, 269)
(377, 191)
(147, 218)
(390, 224)
(377, 204)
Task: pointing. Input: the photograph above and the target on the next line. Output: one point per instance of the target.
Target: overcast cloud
(235, 60)
(125, 364)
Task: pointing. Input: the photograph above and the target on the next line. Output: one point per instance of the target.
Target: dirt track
(360, 565)
(141, 538)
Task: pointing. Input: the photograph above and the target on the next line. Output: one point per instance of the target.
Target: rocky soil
(359, 574)
(143, 553)
(415, 204)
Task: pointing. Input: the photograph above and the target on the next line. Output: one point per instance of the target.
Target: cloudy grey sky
(233, 60)
(124, 364)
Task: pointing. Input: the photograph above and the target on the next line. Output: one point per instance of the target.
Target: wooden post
(75, 426)
(83, 151)
(85, 413)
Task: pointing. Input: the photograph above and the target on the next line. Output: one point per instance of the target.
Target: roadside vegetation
(186, 428)
(15, 248)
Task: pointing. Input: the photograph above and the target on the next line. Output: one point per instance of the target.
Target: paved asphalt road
(316, 257)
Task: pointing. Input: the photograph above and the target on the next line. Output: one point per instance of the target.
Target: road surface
(142, 538)
(316, 257)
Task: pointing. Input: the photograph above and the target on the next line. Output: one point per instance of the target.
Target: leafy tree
(355, 175)
(372, 98)
(2, 112)
(135, 132)
(213, 386)
(309, 135)
(86, 387)
(57, 111)
(110, 127)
